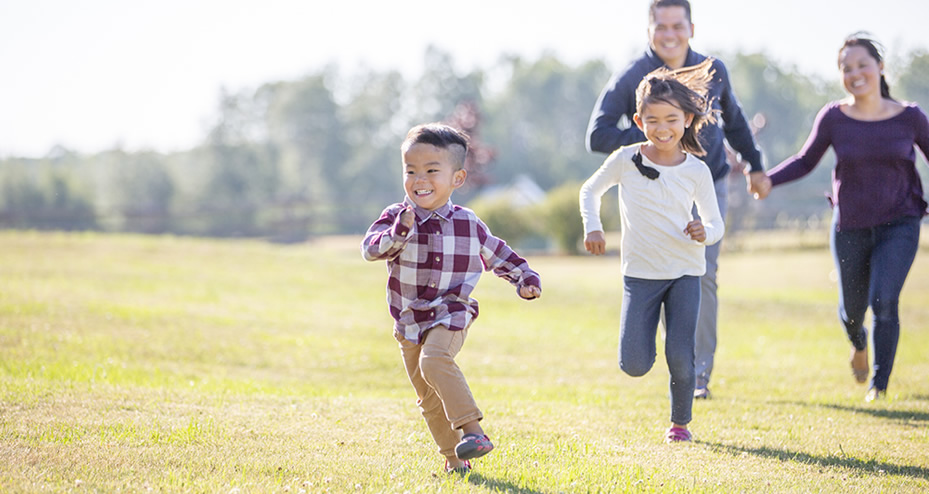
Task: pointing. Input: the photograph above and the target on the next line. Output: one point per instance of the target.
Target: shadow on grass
(499, 485)
(901, 415)
(865, 466)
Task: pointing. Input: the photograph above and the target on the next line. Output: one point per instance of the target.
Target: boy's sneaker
(677, 435)
(473, 446)
(462, 470)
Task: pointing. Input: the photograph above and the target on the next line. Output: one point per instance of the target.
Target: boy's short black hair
(657, 4)
(441, 136)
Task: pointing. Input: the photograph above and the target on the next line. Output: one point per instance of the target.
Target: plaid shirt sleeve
(505, 263)
(386, 238)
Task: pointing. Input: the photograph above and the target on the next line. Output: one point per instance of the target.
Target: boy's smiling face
(430, 175)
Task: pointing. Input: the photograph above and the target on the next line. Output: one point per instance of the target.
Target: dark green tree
(144, 190)
(374, 126)
(307, 135)
(782, 104)
(912, 84)
(241, 178)
(440, 89)
(537, 122)
(21, 198)
(53, 202)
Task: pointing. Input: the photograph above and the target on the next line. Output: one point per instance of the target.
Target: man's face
(669, 35)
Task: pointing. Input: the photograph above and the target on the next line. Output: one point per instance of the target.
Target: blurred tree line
(320, 155)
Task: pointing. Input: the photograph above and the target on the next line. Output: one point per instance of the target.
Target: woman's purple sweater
(875, 179)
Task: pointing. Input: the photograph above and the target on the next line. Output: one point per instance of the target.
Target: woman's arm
(806, 160)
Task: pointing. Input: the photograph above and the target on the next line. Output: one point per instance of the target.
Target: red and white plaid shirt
(433, 266)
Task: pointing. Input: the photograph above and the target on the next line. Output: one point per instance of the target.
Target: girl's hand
(530, 292)
(695, 231)
(595, 243)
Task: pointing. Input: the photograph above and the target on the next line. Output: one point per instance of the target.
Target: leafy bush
(562, 217)
(512, 224)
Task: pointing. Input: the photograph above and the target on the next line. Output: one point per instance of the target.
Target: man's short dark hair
(657, 4)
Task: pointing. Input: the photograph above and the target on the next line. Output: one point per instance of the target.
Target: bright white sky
(93, 74)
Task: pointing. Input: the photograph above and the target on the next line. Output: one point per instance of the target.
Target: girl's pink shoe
(677, 435)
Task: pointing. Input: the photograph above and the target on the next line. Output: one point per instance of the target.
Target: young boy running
(435, 253)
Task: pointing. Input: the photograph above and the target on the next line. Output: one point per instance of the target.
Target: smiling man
(670, 30)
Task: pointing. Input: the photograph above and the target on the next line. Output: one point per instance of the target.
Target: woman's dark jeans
(872, 264)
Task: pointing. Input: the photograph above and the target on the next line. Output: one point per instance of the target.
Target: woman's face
(861, 73)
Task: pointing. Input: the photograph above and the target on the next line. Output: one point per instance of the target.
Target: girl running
(663, 242)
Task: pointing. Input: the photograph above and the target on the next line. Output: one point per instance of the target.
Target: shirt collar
(444, 212)
(656, 61)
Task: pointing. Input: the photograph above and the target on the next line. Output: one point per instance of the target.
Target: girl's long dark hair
(685, 88)
(874, 49)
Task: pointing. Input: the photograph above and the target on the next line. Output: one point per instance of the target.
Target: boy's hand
(530, 292)
(695, 230)
(595, 243)
(407, 217)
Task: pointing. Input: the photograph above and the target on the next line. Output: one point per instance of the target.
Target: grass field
(134, 364)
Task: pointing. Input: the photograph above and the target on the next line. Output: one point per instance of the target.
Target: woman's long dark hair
(685, 88)
(874, 49)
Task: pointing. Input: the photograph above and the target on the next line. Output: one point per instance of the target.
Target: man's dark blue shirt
(618, 100)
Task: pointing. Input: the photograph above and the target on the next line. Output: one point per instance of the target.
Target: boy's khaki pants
(444, 397)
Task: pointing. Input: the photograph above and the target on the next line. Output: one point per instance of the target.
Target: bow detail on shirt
(648, 171)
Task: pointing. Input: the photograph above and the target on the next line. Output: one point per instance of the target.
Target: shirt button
(437, 258)
(432, 314)
(432, 284)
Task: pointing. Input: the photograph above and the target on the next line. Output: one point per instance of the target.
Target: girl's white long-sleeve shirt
(654, 213)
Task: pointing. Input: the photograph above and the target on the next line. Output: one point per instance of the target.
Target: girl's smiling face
(663, 125)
